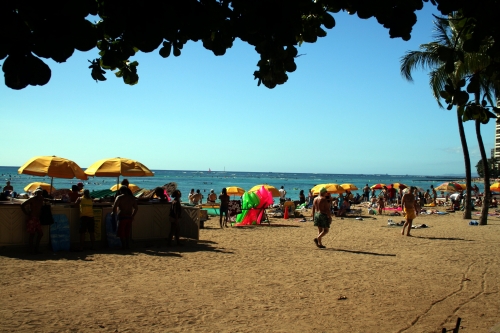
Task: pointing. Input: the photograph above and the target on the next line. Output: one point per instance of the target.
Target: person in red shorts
(126, 206)
(33, 225)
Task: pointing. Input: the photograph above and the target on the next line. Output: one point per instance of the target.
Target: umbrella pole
(51, 180)
(118, 184)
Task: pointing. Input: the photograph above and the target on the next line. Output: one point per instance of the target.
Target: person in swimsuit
(175, 215)
(381, 204)
(126, 203)
(33, 225)
(409, 206)
(224, 206)
(322, 215)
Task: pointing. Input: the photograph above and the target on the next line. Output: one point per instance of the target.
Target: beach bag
(234, 207)
(46, 217)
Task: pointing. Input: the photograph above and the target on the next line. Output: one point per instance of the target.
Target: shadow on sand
(153, 248)
(445, 238)
(361, 252)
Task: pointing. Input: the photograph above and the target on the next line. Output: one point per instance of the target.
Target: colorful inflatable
(253, 206)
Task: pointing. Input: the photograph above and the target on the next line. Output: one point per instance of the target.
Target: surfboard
(59, 233)
(111, 226)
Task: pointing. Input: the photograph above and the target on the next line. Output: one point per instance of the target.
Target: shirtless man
(33, 225)
(322, 215)
(366, 193)
(127, 206)
(409, 206)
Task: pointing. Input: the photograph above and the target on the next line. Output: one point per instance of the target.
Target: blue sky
(346, 109)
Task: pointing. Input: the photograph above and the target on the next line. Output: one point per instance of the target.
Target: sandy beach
(268, 278)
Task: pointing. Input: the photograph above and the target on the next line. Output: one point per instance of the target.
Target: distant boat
(209, 170)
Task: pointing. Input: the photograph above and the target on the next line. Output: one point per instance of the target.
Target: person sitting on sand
(494, 203)
(478, 202)
(33, 225)
(346, 207)
(322, 215)
(409, 208)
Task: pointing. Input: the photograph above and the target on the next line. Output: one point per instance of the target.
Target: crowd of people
(324, 207)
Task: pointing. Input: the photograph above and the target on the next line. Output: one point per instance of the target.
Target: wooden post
(457, 326)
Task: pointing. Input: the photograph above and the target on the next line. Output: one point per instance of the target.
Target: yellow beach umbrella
(330, 188)
(495, 187)
(378, 186)
(44, 186)
(234, 190)
(449, 187)
(52, 166)
(349, 187)
(118, 166)
(134, 188)
(274, 191)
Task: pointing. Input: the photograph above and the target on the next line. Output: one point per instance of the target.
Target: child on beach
(381, 204)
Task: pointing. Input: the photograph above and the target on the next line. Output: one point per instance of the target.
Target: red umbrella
(397, 186)
(377, 186)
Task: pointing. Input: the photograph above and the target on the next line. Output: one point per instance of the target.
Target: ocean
(207, 180)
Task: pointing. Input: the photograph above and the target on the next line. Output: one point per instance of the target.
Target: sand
(267, 279)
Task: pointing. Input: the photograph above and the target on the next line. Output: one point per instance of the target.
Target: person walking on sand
(409, 207)
(33, 225)
(175, 215)
(86, 218)
(224, 206)
(126, 204)
(322, 215)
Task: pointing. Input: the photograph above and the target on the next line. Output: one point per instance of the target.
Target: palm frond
(418, 59)
(437, 81)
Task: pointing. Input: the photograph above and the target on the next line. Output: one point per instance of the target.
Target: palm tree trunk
(487, 193)
(468, 173)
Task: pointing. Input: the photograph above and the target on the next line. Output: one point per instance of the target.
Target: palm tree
(445, 52)
(428, 57)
